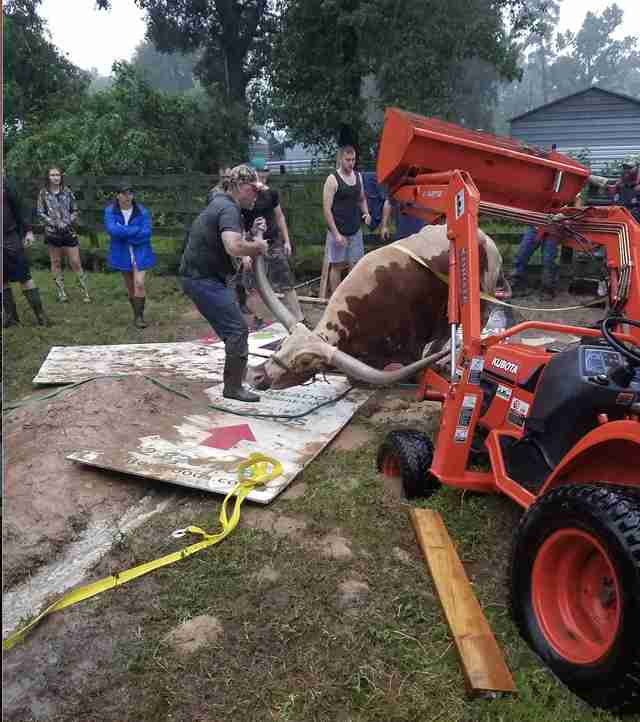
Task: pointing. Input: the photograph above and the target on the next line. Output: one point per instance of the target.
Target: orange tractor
(558, 426)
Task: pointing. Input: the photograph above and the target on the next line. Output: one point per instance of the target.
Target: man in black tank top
(345, 206)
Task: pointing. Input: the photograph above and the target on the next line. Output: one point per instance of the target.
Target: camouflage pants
(278, 271)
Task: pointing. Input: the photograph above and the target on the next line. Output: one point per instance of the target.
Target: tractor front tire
(408, 454)
(575, 590)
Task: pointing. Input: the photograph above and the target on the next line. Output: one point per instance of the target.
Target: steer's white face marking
(299, 357)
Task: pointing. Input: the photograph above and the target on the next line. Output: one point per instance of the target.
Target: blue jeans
(528, 245)
(219, 305)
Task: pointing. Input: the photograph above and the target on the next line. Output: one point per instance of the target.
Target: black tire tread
(618, 508)
(414, 451)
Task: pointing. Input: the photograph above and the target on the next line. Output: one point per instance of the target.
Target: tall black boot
(235, 368)
(10, 315)
(138, 312)
(33, 297)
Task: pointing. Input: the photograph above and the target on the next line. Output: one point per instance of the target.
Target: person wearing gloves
(216, 238)
(128, 224)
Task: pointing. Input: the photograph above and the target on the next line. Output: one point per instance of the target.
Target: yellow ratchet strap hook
(255, 471)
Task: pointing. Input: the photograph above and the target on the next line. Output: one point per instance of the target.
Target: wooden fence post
(324, 276)
(91, 200)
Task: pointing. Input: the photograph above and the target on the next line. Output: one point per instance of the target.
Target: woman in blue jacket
(128, 224)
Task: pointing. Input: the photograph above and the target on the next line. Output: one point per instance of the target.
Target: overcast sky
(95, 38)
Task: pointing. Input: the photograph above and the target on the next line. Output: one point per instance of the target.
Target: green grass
(290, 649)
(108, 320)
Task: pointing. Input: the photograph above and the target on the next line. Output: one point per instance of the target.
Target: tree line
(209, 71)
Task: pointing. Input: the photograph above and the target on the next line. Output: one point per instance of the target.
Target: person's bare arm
(281, 222)
(364, 206)
(384, 224)
(235, 245)
(328, 194)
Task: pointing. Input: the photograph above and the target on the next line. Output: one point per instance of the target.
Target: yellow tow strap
(254, 471)
(485, 296)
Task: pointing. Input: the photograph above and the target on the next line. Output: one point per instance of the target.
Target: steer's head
(299, 357)
(303, 352)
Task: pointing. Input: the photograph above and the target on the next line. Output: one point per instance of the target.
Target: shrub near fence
(175, 200)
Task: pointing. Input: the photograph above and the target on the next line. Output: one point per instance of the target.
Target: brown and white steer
(387, 309)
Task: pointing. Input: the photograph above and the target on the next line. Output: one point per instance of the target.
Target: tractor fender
(609, 453)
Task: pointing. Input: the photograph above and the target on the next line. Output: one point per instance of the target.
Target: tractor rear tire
(408, 454)
(575, 590)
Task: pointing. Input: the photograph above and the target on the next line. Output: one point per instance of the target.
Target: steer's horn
(271, 301)
(361, 371)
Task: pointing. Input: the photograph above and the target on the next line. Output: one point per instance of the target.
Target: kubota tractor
(558, 425)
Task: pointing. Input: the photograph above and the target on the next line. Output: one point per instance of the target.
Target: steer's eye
(304, 361)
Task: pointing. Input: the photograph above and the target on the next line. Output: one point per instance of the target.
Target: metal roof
(573, 95)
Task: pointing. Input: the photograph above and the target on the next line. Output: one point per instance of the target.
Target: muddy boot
(82, 282)
(138, 312)
(62, 296)
(10, 312)
(33, 297)
(519, 287)
(235, 368)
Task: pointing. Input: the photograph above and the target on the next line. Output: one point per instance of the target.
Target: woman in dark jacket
(128, 224)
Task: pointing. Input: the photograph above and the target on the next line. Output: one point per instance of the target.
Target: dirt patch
(335, 546)
(267, 575)
(393, 486)
(353, 436)
(194, 634)
(48, 500)
(294, 491)
(352, 593)
(257, 517)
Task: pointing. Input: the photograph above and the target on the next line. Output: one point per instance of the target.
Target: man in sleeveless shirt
(345, 206)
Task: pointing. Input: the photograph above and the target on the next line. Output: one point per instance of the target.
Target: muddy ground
(58, 513)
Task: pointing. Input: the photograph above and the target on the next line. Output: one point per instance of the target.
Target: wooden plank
(324, 276)
(483, 664)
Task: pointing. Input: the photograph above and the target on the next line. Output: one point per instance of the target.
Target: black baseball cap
(124, 186)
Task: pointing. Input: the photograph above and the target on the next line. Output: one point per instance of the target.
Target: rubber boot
(82, 282)
(138, 312)
(33, 297)
(519, 287)
(62, 296)
(548, 284)
(235, 369)
(10, 315)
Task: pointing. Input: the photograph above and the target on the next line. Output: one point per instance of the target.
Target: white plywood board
(191, 359)
(204, 450)
(194, 360)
